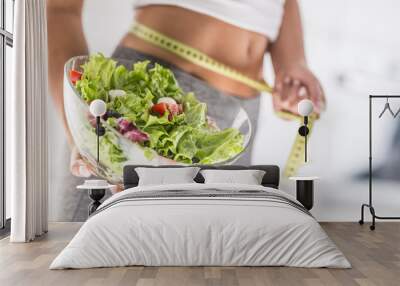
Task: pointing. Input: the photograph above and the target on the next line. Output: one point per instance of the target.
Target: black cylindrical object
(96, 195)
(305, 193)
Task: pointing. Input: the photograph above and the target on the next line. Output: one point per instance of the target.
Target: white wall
(353, 47)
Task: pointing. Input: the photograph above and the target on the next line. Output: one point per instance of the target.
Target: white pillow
(163, 176)
(247, 177)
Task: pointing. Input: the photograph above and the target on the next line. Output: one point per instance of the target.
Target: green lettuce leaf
(187, 149)
(120, 78)
(162, 83)
(195, 111)
(218, 146)
(110, 150)
(100, 70)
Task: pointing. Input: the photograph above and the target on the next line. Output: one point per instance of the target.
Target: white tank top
(260, 16)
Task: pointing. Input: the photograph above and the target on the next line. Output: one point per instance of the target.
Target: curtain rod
(384, 96)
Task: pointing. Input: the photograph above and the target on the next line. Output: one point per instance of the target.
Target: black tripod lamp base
(96, 195)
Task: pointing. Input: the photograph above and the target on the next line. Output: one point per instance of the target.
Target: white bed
(201, 224)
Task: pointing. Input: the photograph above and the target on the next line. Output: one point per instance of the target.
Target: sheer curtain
(26, 122)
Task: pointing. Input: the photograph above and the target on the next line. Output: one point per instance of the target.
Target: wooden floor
(375, 257)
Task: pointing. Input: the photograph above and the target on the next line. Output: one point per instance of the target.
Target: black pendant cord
(305, 138)
(97, 194)
(98, 139)
(303, 131)
(370, 204)
(305, 147)
(98, 150)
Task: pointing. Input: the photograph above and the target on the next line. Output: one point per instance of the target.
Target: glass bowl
(80, 123)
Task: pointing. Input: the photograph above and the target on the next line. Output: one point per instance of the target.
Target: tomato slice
(75, 76)
(159, 108)
(162, 107)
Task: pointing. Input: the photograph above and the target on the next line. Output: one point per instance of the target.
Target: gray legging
(72, 205)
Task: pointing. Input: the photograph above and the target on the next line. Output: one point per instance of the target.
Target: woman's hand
(78, 166)
(294, 84)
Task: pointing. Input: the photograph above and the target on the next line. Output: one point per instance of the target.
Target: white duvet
(200, 231)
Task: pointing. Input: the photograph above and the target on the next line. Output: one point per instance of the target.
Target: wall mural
(113, 105)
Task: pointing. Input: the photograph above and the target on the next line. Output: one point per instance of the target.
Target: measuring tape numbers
(296, 155)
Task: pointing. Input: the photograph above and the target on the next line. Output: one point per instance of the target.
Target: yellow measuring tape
(296, 156)
(194, 56)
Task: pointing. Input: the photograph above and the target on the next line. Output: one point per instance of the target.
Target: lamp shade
(305, 107)
(98, 108)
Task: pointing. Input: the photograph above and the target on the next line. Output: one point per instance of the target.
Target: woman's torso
(237, 48)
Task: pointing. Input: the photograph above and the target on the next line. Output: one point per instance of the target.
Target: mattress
(201, 225)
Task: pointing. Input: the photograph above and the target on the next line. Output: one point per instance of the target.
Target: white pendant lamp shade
(305, 107)
(98, 108)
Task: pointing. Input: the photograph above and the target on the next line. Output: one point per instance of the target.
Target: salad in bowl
(150, 119)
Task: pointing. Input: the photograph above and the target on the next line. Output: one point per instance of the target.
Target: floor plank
(375, 257)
